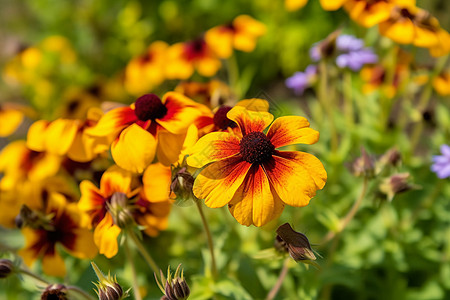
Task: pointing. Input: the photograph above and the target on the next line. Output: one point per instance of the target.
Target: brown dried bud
(296, 243)
(6, 267)
(55, 292)
(364, 165)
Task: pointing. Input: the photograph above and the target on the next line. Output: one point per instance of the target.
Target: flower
(241, 34)
(120, 201)
(64, 228)
(355, 60)
(300, 81)
(147, 71)
(69, 137)
(292, 5)
(441, 83)
(55, 292)
(396, 184)
(212, 93)
(246, 171)
(184, 58)
(368, 13)
(408, 24)
(441, 163)
(11, 116)
(147, 127)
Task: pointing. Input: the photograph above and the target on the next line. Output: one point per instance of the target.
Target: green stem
(209, 238)
(129, 257)
(233, 75)
(348, 99)
(32, 275)
(274, 291)
(327, 105)
(143, 251)
(350, 215)
(424, 100)
(80, 291)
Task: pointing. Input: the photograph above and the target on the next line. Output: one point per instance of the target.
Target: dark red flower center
(256, 148)
(149, 107)
(221, 120)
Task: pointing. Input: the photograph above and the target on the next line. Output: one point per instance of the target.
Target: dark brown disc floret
(149, 107)
(256, 148)
(221, 120)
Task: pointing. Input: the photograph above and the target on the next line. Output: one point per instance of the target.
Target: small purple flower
(441, 163)
(348, 43)
(300, 81)
(355, 60)
(314, 52)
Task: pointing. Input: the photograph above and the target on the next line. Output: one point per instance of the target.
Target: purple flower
(300, 81)
(441, 163)
(314, 52)
(348, 43)
(355, 60)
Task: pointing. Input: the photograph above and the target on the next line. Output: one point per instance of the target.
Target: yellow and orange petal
(10, 120)
(441, 83)
(105, 236)
(156, 182)
(250, 121)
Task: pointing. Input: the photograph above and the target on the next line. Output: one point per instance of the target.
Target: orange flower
(184, 58)
(441, 83)
(241, 34)
(212, 93)
(68, 137)
(249, 174)
(148, 126)
(408, 24)
(145, 72)
(376, 79)
(368, 13)
(293, 5)
(63, 228)
(113, 207)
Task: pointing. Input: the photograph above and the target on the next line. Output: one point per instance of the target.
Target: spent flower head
(55, 291)
(293, 242)
(6, 268)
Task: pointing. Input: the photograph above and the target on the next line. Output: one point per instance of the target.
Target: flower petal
(10, 120)
(83, 245)
(218, 182)
(254, 203)
(157, 179)
(169, 147)
(249, 121)
(114, 180)
(212, 147)
(181, 112)
(134, 150)
(113, 122)
(295, 176)
(105, 236)
(60, 135)
(36, 135)
(291, 130)
(53, 264)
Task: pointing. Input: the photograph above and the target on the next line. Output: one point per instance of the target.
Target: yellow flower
(241, 34)
(293, 5)
(408, 24)
(64, 229)
(184, 58)
(247, 172)
(69, 137)
(211, 93)
(368, 13)
(120, 201)
(150, 125)
(441, 83)
(11, 116)
(18, 163)
(145, 72)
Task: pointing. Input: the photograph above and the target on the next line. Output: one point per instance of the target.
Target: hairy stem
(129, 257)
(147, 257)
(209, 238)
(274, 291)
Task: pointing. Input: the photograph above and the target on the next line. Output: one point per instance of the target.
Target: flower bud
(295, 243)
(175, 288)
(6, 268)
(120, 211)
(107, 287)
(55, 292)
(182, 183)
(364, 165)
(396, 184)
(391, 158)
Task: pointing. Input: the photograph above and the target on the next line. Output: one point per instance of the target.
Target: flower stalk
(209, 238)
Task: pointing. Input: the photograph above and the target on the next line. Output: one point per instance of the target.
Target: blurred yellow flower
(441, 83)
(241, 34)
